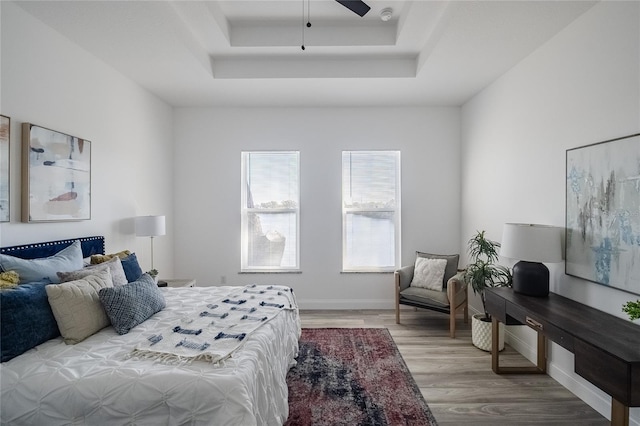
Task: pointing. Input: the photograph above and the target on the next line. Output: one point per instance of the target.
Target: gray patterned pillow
(132, 304)
(114, 266)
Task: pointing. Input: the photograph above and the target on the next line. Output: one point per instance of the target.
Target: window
(270, 211)
(370, 210)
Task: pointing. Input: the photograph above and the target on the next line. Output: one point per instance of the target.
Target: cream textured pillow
(429, 273)
(77, 308)
(114, 266)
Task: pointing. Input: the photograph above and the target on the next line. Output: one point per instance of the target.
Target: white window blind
(270, 210)
(370, 210)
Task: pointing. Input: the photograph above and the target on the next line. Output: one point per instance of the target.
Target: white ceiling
(248, 53)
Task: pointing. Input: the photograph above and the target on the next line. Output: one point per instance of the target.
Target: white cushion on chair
(429, 273)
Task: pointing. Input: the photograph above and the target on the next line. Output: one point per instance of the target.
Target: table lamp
(150, 226)
(531, 245)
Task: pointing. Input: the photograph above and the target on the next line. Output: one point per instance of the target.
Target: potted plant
(632, 309)
(483, 272)
(153, 274)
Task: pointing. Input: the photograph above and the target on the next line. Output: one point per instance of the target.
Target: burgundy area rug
(353, 376)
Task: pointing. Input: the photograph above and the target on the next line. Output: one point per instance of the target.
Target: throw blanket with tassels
(216, 327)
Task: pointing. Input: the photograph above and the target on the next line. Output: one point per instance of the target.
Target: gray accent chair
(450, 300)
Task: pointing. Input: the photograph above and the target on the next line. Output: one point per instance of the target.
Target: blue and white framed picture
(603, 213)
(56, 176)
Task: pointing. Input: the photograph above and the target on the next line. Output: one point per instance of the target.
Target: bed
(100, 381)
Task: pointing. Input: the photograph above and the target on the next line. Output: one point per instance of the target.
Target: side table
(177, 282)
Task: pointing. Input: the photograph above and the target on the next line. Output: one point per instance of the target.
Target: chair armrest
(403, 277)
(456, 285)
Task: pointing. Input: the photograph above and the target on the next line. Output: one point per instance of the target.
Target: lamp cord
(308, 25)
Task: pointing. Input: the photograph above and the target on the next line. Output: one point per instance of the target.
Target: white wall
(207, 191)
(582, 87)
(51, 82)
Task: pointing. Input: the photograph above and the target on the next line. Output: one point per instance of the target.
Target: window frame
(397, 210)
(245, 211)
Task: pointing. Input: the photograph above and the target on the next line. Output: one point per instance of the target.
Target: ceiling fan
(357, 6)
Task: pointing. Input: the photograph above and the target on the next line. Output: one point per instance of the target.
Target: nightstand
(179, 282)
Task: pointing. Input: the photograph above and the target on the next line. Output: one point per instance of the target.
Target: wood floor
(456, 378)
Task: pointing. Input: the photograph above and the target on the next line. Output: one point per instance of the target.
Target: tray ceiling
(248, 53)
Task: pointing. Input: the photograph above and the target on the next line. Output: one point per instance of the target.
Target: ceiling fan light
(386, 14)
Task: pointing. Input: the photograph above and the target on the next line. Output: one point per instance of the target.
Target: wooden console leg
(495, 345)
(539, 368)
(542, 353)
(619, 413)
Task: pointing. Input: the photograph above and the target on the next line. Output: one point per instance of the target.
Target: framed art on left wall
(5, 130)
(56, 176)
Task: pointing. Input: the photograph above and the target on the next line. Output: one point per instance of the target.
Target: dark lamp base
(531, 279)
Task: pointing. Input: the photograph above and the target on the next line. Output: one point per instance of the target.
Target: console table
(606, 348)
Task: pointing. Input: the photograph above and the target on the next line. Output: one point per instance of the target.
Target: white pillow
(429, 273)
(114, 266)
(77, 308)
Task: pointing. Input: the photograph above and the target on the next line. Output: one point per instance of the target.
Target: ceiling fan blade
(356, 6)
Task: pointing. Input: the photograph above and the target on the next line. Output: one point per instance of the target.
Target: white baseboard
(345, 304)
(349, 304)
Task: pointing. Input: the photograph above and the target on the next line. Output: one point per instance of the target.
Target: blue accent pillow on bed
(26, 319)
(132, 304)
(46, 268)
(131, 267)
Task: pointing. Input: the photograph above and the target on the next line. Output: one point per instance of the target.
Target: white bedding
(94, 382)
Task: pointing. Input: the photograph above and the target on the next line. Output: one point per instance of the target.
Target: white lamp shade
(150, 226)
(531, 243)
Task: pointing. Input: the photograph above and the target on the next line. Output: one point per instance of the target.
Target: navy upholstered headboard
(90, 246)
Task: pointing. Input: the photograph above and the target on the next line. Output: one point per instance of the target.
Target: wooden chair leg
(397, 291)
(466, 305)
(452, 323)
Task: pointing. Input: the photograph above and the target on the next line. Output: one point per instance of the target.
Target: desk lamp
(150, 226)
(531, 245)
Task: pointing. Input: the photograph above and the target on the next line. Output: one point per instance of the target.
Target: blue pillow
(26, 319)
(46, 268)
(131, 304)
(131, 267)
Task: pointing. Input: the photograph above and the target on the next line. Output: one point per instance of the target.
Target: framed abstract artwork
(56, 175)
(603, 213)
(5, 131)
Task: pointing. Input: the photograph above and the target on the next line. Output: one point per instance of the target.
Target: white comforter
(94, 383)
